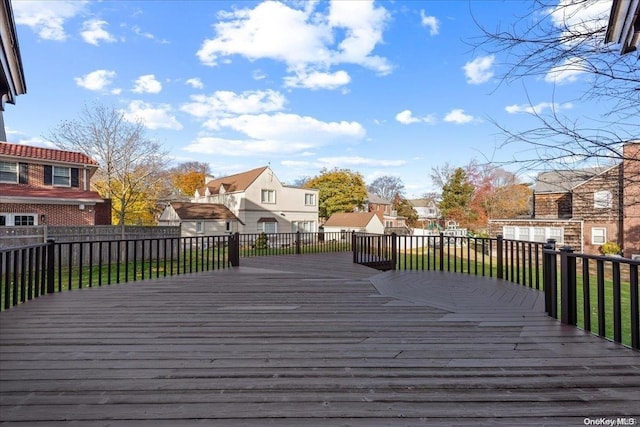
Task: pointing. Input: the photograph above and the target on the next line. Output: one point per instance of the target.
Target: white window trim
(602, 199)
(311, 199)
(16, 173)
(10, 219)
(593, 236)
(268, 199)
(53, 176)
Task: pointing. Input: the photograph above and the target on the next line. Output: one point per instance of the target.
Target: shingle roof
(237, 182)
(39, 153)
(374, 198)
(12, 190)
(565, 181)
(350, 219)
(201, 211)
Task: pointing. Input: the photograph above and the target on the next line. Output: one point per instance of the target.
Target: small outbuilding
(200, 219)
(361, 222)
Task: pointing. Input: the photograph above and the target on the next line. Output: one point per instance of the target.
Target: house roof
(52, 193)
(202, 211)
(565, 181)
(39, 153)
(421, 203)
(12, 82)
(374, 198)
(233, 183)
(350, 219)
(624, 25)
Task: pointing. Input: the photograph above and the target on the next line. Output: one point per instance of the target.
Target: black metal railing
(31, 271)
(516, 261)
(596, 293)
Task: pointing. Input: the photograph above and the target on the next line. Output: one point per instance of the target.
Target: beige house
(262, 203)
(361, 222)
(200, 219)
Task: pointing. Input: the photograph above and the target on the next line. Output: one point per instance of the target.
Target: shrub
(610, 248)
(262, 242)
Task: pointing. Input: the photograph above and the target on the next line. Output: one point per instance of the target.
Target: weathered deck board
(306, 340)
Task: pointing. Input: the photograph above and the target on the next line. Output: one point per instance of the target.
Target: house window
(509, 232)
(228, 226)
(8, 172)
(598, 235)
(539, 234)
(62, 176)
(270, 227)
(602, 199)
(3, 220)
(303, 226)
(309, 199)
(388, 224)
(199, 227)
(523, 233)
(556, 233)
(24, 220)
(268, 196)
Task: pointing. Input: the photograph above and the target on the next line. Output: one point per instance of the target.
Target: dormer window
(602, 199)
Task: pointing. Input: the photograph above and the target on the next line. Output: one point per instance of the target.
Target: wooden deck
(307, 340)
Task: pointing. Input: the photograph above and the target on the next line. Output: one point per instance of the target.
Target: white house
(262, 203)
(200, 219)
(362, 222)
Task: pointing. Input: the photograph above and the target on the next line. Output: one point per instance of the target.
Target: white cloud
(147, 84)
(264, 32)
(567, 72)
(47, 18)
(226, 103)
(195, 83)
(259, 75)
(93, 32)
(458, 116)
(479, 70)
(431, 22)
(346, 161)
(292, 127)
(406, 117)
(581, 21)
(318, 80)
(538, 108)
(96, 80)
(153, 117)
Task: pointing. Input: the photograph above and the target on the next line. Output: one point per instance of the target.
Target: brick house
(584, 208)
(385, 212)
(43, 186)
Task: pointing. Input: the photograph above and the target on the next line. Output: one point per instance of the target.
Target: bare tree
(387, 187)
(130, 163)
(565, 39)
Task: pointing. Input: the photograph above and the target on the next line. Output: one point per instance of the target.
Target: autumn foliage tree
(341, 190)
(185, 178)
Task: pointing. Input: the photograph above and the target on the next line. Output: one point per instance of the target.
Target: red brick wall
(54, 214)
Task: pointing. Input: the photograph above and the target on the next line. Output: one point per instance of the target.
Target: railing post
(51, 261)
(298, 244)
(549, 278)
(568, 303)
(354, 247)
(234, 249)
(394, 250)
(441, 251)
(500, 257)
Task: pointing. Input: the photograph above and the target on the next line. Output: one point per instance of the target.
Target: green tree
(404, 208)
(457, 195)
(341, 190)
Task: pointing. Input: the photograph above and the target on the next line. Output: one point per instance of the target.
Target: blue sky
(382, 88)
